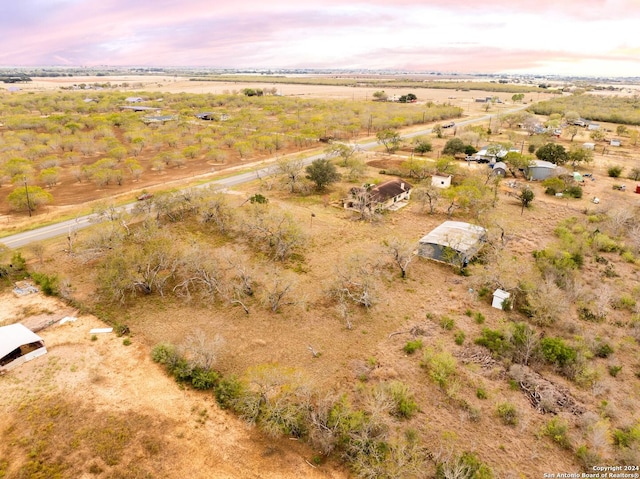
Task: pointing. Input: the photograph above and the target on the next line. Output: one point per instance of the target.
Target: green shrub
(556, 429)
(574, 191)
(121, 329)
(602, 350)
(586, 314)
(181, 370)
(459, 338)
(602, 242)
(587, 458)
(494, 340)
(164, 354)
(553, 185)
(479, 318)
(227, 391)
(614, 370)
(614, 171)
(126, 342)
(483, 292)
(481, 393)
(625, 302)
(466, 466)
(556, 351)
(94, 337)
(412, 346)
(626, 437)
(468, 312)
(440, 366)
(18, 263)
(203, 379)
(447, 323)
(48, 284)
(404, 404)
(508, 414)
(628, 257)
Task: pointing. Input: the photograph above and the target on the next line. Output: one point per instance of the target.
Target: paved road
(67, 227)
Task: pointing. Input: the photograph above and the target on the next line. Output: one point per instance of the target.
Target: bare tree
(280, 292)
(199, 274)
(268, 178)
(292, 171)
(343, 311)
(345, 151)
(214, 209)
(363, 201)
(427, 195)
(355, 281)
(201, 350)
(38, 249)
(276, 231)
(402, 253)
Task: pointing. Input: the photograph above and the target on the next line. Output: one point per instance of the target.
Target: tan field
(157, 428)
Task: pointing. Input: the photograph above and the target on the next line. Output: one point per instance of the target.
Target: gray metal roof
(542, 164)
(458, 235)
(14, 336)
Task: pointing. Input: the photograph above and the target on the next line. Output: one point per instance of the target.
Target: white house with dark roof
(390, 195)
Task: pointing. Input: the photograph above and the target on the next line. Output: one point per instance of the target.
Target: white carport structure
(18, 344)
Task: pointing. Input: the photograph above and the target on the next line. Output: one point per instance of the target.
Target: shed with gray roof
(454, 242)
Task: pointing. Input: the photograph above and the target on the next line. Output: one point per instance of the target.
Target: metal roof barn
(453, 242)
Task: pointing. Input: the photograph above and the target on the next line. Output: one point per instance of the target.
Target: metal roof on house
(159, 118)
(139, 108)
(458, 235)
(542, 164)
(14, 336)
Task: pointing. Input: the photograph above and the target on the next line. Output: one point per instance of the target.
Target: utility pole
(26, 190)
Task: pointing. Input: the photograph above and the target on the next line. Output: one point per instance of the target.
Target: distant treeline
(613, 109)
(383, 83)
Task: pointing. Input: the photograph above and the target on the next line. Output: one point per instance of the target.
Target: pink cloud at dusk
(451, 35)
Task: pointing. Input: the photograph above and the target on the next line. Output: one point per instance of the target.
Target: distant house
(492, 153)
(589, 146)
(133, 99)
(540, 170)
(441, 181)
(593, 126)
(615, 143)
(159, 119)
(390, 195)
(18, 344)
(453, 242)
(139, 108)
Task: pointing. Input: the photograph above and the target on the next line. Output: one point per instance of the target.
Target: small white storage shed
(499, 296)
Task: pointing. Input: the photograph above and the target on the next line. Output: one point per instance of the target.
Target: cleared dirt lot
(82, 387)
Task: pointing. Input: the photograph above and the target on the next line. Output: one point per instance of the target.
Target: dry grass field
(168, 431)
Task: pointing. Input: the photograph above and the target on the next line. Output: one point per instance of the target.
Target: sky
(562, 37)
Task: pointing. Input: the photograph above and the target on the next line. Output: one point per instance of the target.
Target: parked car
(449, 125)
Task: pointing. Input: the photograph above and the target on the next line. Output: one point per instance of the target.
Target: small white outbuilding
(18, 344)
(499, 296)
